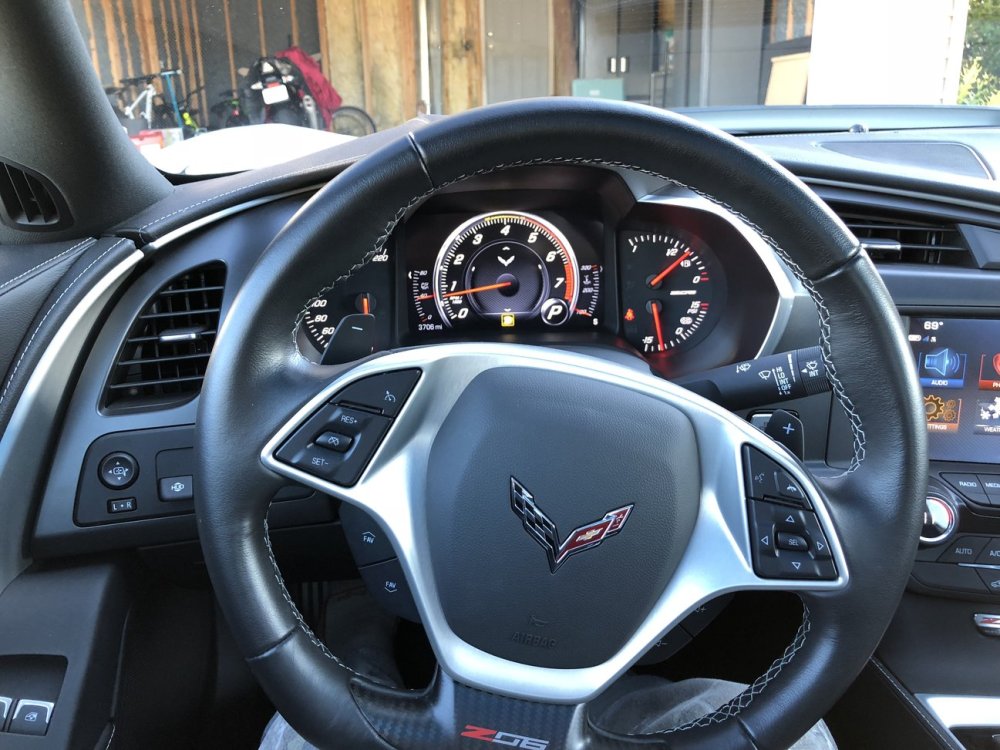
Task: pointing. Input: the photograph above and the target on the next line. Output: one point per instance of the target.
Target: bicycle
(352, 121)
(171, 112)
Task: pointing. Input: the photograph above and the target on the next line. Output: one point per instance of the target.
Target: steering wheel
(488, 454)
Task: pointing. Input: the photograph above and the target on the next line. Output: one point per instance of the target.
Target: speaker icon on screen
(944, 362)
(943, 368)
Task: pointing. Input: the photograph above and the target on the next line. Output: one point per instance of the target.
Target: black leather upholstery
(39, 285)
(257, 379)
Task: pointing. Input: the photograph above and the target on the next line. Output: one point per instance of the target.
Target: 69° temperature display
(505, 269)
(670, 295)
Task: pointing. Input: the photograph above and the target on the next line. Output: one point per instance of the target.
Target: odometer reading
(668, 293)
(504, 267)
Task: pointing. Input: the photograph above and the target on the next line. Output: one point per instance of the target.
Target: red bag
(327, 99)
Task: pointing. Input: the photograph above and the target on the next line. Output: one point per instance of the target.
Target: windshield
(180, 73)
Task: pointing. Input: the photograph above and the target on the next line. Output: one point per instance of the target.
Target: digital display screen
(958, 364)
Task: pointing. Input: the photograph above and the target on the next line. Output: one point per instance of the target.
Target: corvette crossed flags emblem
(543, 530)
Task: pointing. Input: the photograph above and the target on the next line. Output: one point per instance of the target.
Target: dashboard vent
(891, 237)
(163, 360)
(29, 200)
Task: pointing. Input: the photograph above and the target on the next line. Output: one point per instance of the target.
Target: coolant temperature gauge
(670, 295)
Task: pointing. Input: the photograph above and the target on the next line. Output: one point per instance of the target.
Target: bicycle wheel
(352, 121)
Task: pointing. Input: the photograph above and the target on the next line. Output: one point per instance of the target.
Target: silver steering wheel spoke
(759, 521)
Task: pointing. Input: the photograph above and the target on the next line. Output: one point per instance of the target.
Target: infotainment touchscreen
(958, 363)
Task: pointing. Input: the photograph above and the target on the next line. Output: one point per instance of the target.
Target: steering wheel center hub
(558, 506)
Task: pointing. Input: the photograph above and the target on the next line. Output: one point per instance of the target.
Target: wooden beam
(111, 37)
(389, 59)
(88, 15)
(190, 65)
(361, 10)
(175, 28)
(461, 55)
(121, 27)
(196, 28)
(167, 58)
(564, 48)
(324, 37)
(229, 44)
(343, 43)
(809, 18)
(293, 8)
(143, 12)
(260, 28)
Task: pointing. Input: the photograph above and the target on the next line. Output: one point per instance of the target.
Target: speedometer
(505, 267)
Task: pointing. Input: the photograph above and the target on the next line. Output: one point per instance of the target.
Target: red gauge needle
(655, 307)
(474, 289)
(666, 271)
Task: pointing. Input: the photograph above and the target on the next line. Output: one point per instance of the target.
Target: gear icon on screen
(934, 407)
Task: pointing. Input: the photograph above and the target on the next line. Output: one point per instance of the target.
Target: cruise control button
(965, 549)
(334, 441)
(991, 579)
(388, 586)
(969, 486)
(365, 429)
(385, 392)
(990, 554)
(792, 542)
(118, 470)
(176, 489)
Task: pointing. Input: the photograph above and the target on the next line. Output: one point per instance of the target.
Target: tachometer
(670, 291)
(505, 267)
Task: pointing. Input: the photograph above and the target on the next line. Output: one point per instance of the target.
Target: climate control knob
(939, 520)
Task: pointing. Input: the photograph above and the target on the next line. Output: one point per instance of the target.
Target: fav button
(176, 489)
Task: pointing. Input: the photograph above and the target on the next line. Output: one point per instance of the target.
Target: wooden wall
(370, 56)
(207, 39)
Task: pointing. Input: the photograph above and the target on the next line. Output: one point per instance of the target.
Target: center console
(944, 645)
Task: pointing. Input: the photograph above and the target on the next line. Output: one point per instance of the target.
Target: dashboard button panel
(969, 486)
(965, 549)
(349, 420)
(766, 480)
(788, 543)
(385, 393)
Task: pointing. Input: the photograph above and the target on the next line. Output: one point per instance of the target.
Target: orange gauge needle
(655, 306)
(666, 271)
(366, 307)
(473, 290)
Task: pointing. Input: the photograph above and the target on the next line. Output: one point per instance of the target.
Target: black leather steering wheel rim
(257, 378)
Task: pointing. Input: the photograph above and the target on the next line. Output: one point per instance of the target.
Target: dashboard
(569, 257)
(564, 255)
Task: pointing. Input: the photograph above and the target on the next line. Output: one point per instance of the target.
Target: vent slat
(29, 200)
(154, 370)
(890, 236)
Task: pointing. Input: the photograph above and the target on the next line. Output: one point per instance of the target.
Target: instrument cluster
(567, 263)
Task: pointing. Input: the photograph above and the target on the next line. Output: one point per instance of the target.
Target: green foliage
(980, 79)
